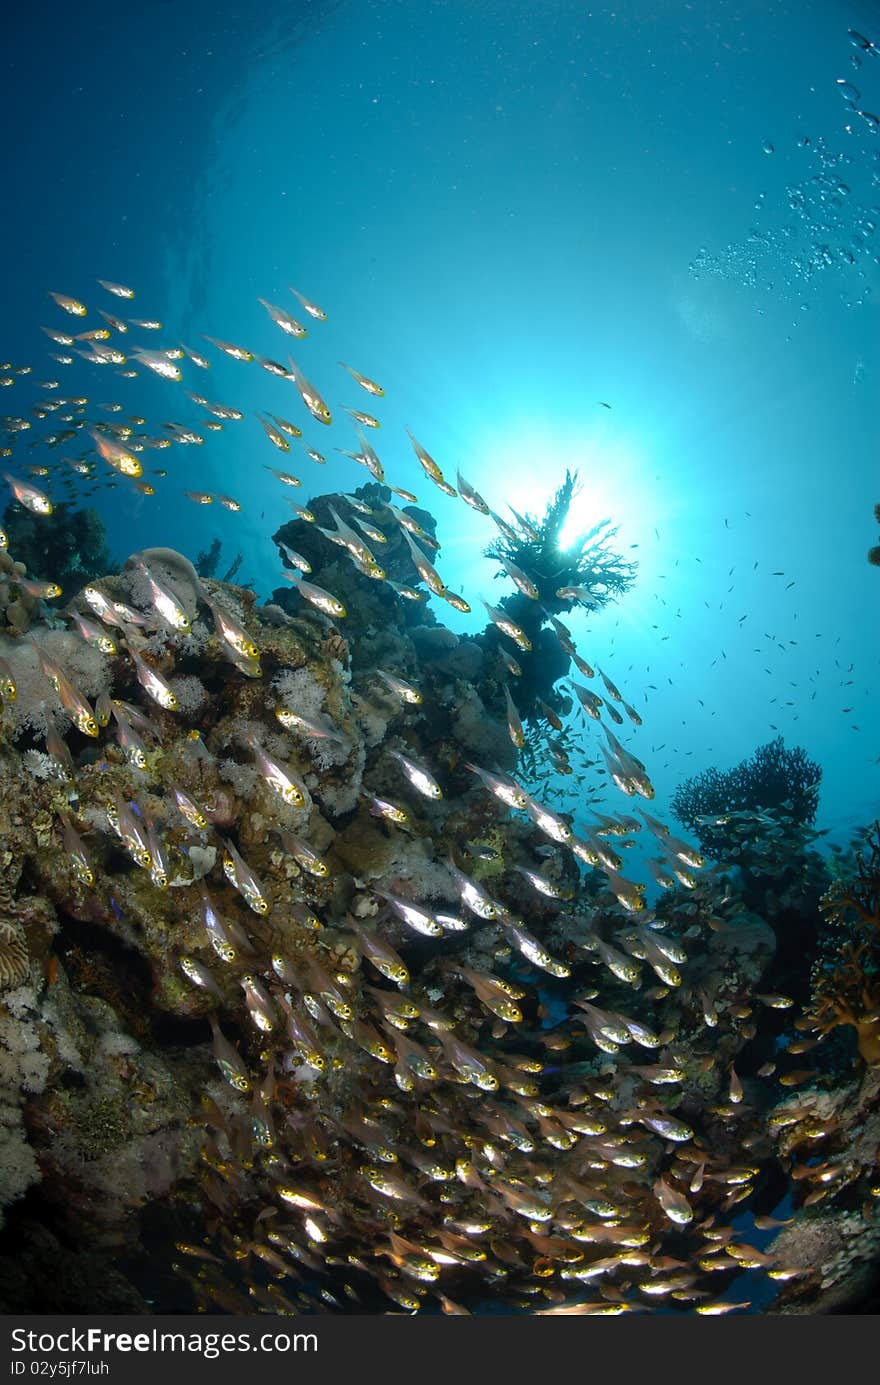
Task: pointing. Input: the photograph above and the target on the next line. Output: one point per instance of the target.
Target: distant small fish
(481, 852)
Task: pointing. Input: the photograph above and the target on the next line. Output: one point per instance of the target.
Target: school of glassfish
(431, 1101)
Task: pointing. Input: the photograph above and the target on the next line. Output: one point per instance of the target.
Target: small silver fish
(420, 778)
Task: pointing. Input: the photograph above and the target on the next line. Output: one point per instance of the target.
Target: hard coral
(846, 976)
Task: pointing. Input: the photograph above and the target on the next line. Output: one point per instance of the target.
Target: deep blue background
(509, 211)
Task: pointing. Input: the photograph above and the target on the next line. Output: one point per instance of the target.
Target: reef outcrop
(305, 995)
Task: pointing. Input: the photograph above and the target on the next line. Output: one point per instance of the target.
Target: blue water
(509, 212)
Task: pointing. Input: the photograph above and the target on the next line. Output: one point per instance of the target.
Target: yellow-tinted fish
(153, 683)
(283, 319)
(28, 495)
(196, 357)
(8, 689)
(40, 591)
(69, 696)
(238, 353)
(369, 385)
(514, 723)
(117, 456)
(274, 436)
(397, 685)
(428, 465)
(70, 305)
(118, 290)
(278, 778)
(286, 478)
(158, 362)
(323, 600)
(243, 879)
(310, 396)
(508, 627)
(311, 308)
(428, 573)
(470, 496)
(228, 1061)
(304, 855)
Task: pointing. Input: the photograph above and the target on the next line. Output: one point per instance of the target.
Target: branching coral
(589, 562)
(727, 809)
(846, 975)
(587, 572)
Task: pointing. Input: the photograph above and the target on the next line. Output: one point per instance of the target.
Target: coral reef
(311, 1001)
(829, 1138)
(325, 1010)
(846, 973)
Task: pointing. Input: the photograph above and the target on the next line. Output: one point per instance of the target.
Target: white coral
(243, 778)
(86, 667)
(190, 693)
(24, 1069)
